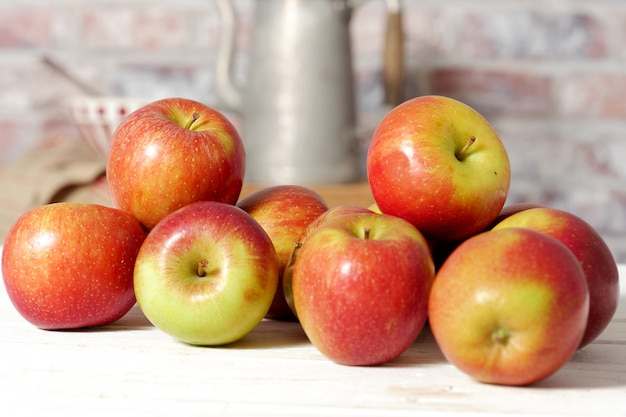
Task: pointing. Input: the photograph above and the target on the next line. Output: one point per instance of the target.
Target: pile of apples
(509, 293)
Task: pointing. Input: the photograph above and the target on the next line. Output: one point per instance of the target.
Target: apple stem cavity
(202, 268)
(460, 155)
(194, 117)
(501, 336)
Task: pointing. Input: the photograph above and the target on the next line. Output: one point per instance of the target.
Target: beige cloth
(60, 170)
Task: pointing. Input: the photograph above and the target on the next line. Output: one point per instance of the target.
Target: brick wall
(548, 74)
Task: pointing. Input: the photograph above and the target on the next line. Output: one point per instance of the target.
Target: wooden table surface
(131, 368)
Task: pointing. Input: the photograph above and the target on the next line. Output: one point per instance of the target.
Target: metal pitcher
(298, 104)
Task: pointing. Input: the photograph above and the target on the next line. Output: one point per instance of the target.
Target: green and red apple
(360, 287)
(206, 274)
(170, 153)
(591, 251)
(284, 211)
(439, 164)
(70, 265)
(509, 306)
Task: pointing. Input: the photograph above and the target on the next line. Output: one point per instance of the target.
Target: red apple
(591, 251)
(70, 265)
(438, 164)
(284, 211)
(509, 306)
(206, 274)
(295, 248)
(170, 153)
(360, 287)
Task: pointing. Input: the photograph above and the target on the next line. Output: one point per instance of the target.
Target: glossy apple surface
(360, 287)
(329, 214)
(591, 251)
(509, 307)
(284, 211)
(70, 265)
(206, 274)
(170, 153)
(439, 164)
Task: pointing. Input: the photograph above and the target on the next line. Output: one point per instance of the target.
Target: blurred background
(548, 74)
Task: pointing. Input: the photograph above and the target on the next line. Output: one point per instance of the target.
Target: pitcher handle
(226, 89)
(393, 55)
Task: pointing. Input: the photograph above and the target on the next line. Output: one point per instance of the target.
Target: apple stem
(366, 233)
(501, 335)
(195, 116)
(202, 268)
(461, 154)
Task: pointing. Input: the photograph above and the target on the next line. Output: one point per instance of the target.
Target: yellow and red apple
(70, 265)
(170, 153)
(360, 287)
(591, 251)
(439, 164)
(329, 214)
(509, 306)
(284, 212)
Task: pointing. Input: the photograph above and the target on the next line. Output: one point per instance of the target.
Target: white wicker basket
(98, 117)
